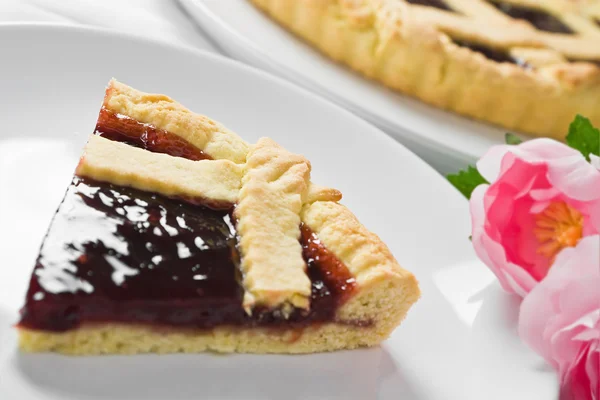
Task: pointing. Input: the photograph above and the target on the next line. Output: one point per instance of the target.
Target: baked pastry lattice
(526, 65)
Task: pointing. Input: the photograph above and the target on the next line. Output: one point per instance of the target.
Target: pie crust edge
(393, 47)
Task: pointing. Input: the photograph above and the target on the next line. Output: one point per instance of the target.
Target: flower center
(557, 227)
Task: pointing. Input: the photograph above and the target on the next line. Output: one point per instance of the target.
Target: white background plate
(458, 342)
(445, 140)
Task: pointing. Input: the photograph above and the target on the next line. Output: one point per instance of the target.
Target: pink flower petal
(537, 208)
(490, 165)
(560, 318)
(512, 277)
(536, 310)
(543, 150)
(575, 177)
(544, 194)
(592, 368)
(575, 382)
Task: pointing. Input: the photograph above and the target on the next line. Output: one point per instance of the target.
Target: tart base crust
(131, 339)
(385, 41)
(126, 339)
(386, 298)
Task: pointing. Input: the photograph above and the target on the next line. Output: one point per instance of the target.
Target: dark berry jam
(122, 128)
(538, 18)
(334, 273)
(432, 3)
(492, 54)
(596, 62)
(116, 254)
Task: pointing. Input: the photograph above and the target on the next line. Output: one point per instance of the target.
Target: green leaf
(584, 137)
(511, 138)
(467, 180)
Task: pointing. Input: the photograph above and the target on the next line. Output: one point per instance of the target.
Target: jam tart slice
(526, 65)
(175, 235)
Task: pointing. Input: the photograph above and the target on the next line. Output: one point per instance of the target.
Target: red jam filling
(432, 3)
(334, 273)
(125, 129)
(117, 254)
(493, 54)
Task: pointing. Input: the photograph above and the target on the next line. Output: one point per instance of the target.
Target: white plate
(445, 140)
(458, 342)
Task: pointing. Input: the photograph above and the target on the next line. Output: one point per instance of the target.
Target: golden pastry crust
(214, 181)
(414, 49)
(341, 233)
(131, 339)
(321, 193)
(268, 223)
(382, 283)
(162, 112)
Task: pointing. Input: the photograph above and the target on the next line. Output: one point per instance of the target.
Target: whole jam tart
(175, 235)
(526, 65)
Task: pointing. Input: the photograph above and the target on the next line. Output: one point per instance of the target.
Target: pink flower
(560, 319)
(543, 197)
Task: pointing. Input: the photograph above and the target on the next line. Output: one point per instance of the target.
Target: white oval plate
(445, 140)
(458, 342)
